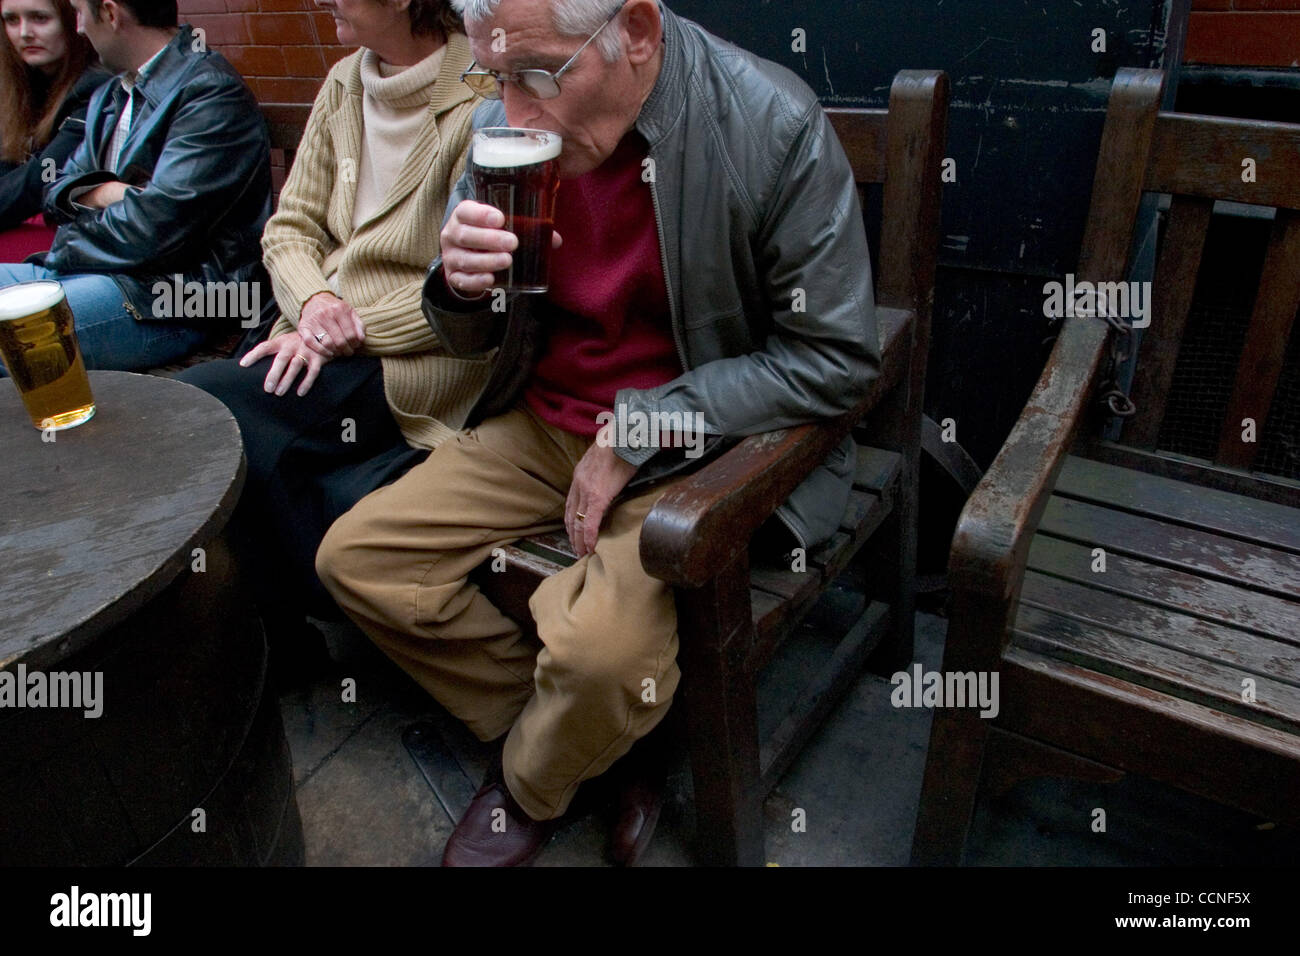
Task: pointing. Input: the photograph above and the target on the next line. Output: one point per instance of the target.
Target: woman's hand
(291, 357)
(329, 326)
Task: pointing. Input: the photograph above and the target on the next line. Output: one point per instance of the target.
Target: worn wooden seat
(1142, 608)
(731, 616)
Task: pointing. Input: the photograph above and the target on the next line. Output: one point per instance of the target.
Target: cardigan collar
(449, 91)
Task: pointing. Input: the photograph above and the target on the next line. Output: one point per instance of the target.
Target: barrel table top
(100, 520)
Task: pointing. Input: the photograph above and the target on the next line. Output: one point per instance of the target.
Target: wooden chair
(1178, 657)
(731, 617)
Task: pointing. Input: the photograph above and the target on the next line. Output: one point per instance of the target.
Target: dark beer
(517, 170)
(40, 351)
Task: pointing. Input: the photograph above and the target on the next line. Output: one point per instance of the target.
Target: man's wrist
(636, 457)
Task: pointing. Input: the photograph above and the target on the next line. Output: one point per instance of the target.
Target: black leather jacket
(23, 187)
(199, 155)
(765, 257)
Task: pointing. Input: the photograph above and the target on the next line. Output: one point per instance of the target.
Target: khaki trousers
(398, 563)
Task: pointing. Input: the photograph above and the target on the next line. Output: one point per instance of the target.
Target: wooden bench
(1179, 657)
(731, 616)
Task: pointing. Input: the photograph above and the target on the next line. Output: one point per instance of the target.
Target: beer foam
(26, 298)
(503, 151)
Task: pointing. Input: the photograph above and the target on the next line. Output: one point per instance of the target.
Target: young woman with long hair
(47, 73)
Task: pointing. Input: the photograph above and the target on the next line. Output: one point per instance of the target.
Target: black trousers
(309, 460)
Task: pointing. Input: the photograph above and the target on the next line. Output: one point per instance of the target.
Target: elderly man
(711, 264)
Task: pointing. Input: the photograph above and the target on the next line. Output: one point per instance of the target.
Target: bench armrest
(703, 522)
(991, 544)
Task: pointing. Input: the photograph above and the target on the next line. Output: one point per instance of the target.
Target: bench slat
(554, 546)
(878, 472)
(1248, 519)
(862, 133)
(1188, 549)
(510, 589)
(1188, 593)
(1202, 156)
(1146, 623)
(1230, 760)
(1157, 667)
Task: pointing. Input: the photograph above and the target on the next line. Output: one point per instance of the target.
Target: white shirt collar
(132, 77)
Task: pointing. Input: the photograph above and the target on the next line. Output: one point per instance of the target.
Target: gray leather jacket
(764, 255)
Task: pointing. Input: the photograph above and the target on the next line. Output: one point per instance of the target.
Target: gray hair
(572, 18)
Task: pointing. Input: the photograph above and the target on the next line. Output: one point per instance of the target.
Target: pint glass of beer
(40, 351)
(517, 170)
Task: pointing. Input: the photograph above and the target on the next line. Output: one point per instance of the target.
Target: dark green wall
(1028, 101)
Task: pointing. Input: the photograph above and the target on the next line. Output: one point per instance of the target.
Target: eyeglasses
(539, 84)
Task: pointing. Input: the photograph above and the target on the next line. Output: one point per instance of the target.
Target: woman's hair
(29, 101)
(434, 16)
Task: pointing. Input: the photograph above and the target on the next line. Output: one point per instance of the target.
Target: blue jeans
(108, 334)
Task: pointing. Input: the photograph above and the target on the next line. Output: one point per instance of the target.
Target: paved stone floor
(364, 800)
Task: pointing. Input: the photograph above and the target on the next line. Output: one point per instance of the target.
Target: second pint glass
(517, 170)
(39, 348)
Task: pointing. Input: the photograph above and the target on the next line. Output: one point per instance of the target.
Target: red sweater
(607, 308)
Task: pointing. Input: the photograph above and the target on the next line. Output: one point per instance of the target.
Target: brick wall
(282, 47)
(1244, 33)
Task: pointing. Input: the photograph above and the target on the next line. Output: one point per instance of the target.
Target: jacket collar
(664, 105)
(175, 59)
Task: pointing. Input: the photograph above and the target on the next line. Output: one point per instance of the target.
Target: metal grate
(1212, 345)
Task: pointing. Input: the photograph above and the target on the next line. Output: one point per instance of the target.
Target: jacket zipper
(668, 282)
(677, 337)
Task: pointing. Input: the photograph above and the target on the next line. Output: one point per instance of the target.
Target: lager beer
(40, 351)
(517, 170)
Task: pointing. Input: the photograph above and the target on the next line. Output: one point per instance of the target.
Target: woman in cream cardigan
(351, 389)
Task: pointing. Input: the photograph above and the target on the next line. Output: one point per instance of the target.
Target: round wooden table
(113, 564)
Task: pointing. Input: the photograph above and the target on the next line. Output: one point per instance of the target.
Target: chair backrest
(901, 148)
(1196, 160)
(285, 122)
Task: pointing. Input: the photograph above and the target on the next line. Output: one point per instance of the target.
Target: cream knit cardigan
(384, 260)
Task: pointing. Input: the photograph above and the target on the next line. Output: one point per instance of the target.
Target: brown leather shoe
(486, 837)
(640, 798)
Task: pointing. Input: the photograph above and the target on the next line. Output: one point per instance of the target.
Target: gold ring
(580, 516)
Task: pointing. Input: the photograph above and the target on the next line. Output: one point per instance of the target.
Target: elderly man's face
(598, 101)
